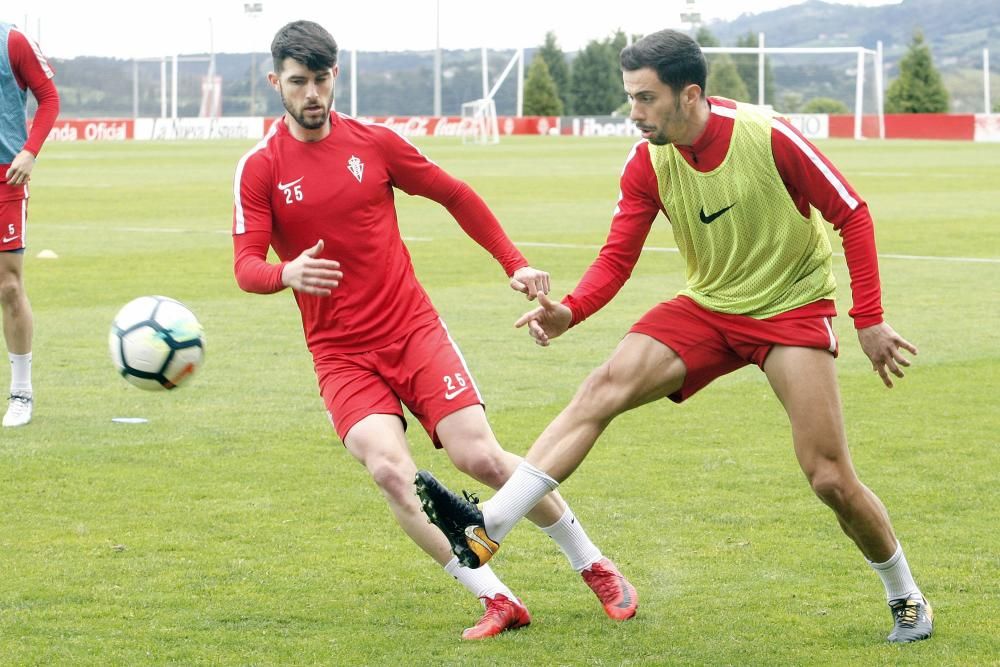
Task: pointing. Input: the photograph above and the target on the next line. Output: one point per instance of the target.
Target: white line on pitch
(564, 246)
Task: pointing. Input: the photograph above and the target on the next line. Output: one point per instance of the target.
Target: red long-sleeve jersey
(31, 71)
(289, 194)
(810, 178)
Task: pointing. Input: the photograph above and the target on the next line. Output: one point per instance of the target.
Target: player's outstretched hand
(310, 274)
(882, 345)
(20, 168)
(549, 320)
(530, 281)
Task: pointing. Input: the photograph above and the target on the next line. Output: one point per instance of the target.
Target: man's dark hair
(305, 42)
(676, 58)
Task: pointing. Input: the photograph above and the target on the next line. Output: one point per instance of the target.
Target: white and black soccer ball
(156, 343)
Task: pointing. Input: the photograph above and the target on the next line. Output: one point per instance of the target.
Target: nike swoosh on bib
(709, 218)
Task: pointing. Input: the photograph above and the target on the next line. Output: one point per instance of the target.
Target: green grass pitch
(232, 528)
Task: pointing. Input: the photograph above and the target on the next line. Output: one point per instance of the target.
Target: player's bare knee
(831, 485)
(11, 289)
(390, 477)
(482, 463)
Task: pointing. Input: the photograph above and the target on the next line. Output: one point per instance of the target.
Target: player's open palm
(549, 320)
(312, 274)
(882, 345)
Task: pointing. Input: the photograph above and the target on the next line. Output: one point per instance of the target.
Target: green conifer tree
(747, 66)
(918, 88)
(558, 68)
(596, 79)
(724, 80)
(540, 95)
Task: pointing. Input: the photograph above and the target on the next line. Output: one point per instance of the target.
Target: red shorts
(423, 370)
(712, 344)
(13, 215)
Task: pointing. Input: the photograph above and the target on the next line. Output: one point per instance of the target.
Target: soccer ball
(156, 343)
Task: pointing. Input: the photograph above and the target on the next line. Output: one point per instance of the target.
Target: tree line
(591, 83)
(587, 82)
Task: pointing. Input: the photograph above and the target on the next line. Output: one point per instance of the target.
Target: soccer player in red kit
(741, 189)
(319, 190)
(22, 68)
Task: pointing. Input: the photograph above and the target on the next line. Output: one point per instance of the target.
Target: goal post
(479, 117)
(479, 122)
(860, 54)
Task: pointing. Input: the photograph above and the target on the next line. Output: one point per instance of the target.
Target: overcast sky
(140, 29)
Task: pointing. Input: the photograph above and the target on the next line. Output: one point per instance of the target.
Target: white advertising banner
(987, 127)
(811, 125)
(199, 128)
(600, 126)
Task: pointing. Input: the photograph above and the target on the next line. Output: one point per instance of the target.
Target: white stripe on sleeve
(837, 184)
(42, 62)
(240, 225)
(631, 156)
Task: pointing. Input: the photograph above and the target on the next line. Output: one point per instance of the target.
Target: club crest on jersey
(356, 167)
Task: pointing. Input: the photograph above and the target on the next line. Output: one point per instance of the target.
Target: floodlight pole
(859, 90)
(173, 83)
(354, 83)
(987, 107)
(437, 59)
(252, 11)
(135, 89)
(879, 93)
(760, 69)
(486, 75)
(163, 87)
(520, 83)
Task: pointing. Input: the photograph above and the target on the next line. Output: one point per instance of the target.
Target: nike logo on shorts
(448, 395)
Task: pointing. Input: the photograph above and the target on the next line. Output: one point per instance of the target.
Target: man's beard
(659, 139)
(300, 117)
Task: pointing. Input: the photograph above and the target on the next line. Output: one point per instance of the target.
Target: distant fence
(968, 127)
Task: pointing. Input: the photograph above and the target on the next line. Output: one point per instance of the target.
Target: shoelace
(18, 403)
(906, 613)
(495, 609)
(605, 581)
(471, 496)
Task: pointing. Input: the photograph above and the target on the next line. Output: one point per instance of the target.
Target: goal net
(479, 122)
(787, 79)
(479, 117)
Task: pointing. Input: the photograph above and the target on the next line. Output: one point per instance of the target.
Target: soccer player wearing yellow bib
(743, 191)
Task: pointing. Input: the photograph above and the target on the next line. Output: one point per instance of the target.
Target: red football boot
(613, 590)
(501, 614)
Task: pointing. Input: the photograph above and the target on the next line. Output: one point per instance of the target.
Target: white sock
(515, 498)
(481, 582)
(573, 540)
(20, 373)
(896, 576)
